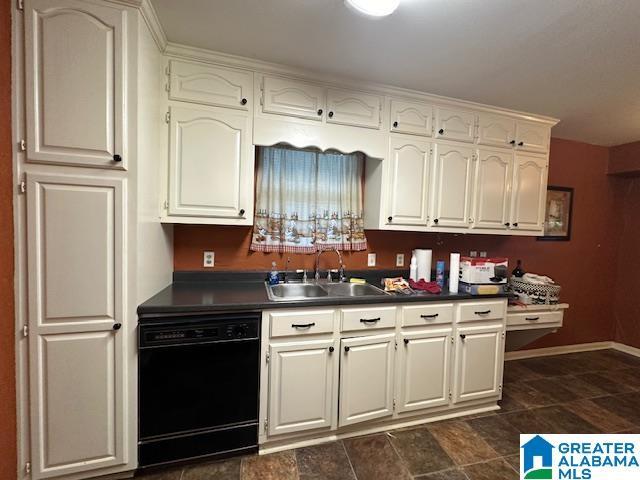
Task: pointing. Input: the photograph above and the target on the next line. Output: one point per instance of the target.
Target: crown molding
(186, 52)
(150, 17)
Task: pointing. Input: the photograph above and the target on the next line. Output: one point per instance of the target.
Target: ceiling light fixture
(376, 8)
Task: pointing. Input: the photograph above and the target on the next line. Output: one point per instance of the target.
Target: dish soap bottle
(518, 271)
(274, 277)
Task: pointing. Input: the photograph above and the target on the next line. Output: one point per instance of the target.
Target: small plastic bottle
(413, 268)
(274, 277)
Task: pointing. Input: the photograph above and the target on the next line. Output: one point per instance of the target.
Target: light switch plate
(371, 260)
(483, 254)
(208, 259)
(399, 259)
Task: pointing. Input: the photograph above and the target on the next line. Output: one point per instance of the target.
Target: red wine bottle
(518, 271)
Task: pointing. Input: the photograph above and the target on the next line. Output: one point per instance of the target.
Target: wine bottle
(518, 271)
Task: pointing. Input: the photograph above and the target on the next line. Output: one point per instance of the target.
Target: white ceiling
(577, 60)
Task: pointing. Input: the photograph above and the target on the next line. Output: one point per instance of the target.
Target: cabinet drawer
(368, 318)
(533, 318)
(205, 84)
(301, 322)
(473, 311)
(420, 315)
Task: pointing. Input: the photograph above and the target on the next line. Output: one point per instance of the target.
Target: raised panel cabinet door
(424, 369)
(290, 97)
(76, 53)
(354, 108)
(302, 386)
(453, 124)
(478, 362)
(411, 117)
(533, 137)
(366, 378)
(491, 192)
(210, 163)
(496, 130)
(452, 186)
(209, 85)
(529, 192)
(410, 180)
(75, 254)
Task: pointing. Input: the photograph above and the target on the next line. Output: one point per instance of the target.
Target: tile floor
(591, 392)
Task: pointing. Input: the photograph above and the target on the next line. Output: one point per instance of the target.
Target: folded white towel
(537, 279)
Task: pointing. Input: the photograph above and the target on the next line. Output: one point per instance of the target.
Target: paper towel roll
(454, 272)
(423, 257)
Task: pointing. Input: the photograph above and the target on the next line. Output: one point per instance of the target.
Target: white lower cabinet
(366, 378)
(478, 362)
(424, 360)
(302, 386)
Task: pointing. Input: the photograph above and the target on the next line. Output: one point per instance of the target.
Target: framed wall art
(557, 219)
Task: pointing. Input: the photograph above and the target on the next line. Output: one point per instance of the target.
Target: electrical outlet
(371, 260)
(399, 259)
(473, 253)
(208, 260)
(483, 254)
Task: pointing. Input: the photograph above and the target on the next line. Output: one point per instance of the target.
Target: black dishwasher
(198, 387)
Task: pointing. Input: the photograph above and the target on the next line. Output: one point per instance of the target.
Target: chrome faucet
(341, 272)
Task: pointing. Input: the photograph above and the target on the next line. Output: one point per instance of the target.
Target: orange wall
(7, 365)
(578, 265)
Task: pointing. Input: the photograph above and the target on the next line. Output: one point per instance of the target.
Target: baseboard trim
(563, 349)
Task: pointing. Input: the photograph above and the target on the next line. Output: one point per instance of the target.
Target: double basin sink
(314, 290)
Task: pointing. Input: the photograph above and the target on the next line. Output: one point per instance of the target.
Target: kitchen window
(308, 200)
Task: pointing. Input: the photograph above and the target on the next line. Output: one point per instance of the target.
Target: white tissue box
(474, 270)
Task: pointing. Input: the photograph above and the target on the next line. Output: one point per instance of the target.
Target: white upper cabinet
(302, 386)
(478, 362)
(291, 97)
(496, 130)
(411, 117)
(491, 191)
(529, 192)
(205, 84)
(347, 107)
(452, 124)
(75, 253)
(532, 136)
(76, 82)
(452, 186)
(424, 360)
(410, 181)
(210, 164)
(366, 378)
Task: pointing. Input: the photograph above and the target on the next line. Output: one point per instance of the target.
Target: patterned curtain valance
(307, 201)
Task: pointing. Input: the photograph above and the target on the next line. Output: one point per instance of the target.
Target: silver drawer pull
(303, 325)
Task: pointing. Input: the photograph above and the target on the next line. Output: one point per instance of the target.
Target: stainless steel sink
(352, 290)
(295, 291)
(308, 291)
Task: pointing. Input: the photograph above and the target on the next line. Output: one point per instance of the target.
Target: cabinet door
(210, 164)
(496, 130)
(366, 378)
(411, 117)
(410, 180)
(533, 137)
(529, 192)
(452, 124)
(205, 84)
(491, 191)
(75, 255)
(424, 365)
(353, 108)
(302, 381)
(289, 97)
(75, 82)
(478, 362)
(452, 186)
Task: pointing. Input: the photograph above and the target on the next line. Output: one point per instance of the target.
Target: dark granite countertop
(200, 293)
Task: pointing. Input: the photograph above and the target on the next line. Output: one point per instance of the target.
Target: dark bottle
(518, 271)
